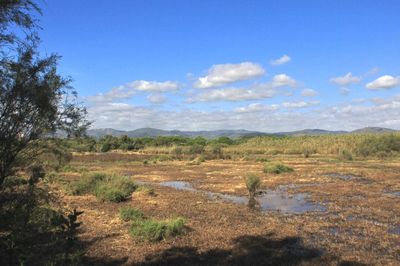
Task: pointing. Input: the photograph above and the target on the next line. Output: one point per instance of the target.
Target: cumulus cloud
(115, 94)
(223, 74)
(280, 61)
(232, 94)
(127, 91)
(309, 92)
(154, 86)
(282, 80)
(384, 82)
(296, 105)
(253, 92)
(346, 80)
(257, 107)
(156, 98)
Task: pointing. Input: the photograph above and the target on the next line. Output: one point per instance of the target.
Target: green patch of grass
(130, 214)
(153, 230)
(276, 168)
(105, 186)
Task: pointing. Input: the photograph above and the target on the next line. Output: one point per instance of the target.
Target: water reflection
(266, 200)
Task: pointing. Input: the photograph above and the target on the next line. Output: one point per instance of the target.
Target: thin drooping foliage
(35, 101)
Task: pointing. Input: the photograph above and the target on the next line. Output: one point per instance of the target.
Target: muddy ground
(356, 219)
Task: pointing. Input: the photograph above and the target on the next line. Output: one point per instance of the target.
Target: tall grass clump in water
(276, 168)
(253, 182)
(104, 186)
(153, 230)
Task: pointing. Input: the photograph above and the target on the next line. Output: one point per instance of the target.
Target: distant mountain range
(153, 132)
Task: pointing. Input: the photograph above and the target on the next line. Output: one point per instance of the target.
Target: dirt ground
(360, 223)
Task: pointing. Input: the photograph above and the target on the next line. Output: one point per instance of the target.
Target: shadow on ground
(248, 250)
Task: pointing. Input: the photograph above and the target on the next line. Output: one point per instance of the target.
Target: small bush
(130, 214)
(345, 155)
(109, 187)
(153, 230)
(105, 147)
(276, 168)
(253, 182)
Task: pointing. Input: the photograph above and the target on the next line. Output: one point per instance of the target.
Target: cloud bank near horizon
(244, 96)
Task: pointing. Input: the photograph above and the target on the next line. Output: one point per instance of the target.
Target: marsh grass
(104, 186)
(153, 230)
(276, 168)
(130, 214)
(253, 182)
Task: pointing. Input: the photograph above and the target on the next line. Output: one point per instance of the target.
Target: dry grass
(357, 226)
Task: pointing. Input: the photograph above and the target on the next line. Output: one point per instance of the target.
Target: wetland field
(325, 211)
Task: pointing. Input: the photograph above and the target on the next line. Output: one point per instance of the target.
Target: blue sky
(257, 65)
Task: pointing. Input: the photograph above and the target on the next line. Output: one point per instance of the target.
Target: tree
(34, 99)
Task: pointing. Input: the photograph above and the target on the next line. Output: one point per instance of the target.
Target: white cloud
(346, 80)
(309, 92)
(347, 117)
(301, 104)
(156, 98)
(253, 92)
(282, 80)
(115, 94)
(232, 94)
(257, 107)
(154, 86)
(384, 82)
(219, 75)
(280, 61)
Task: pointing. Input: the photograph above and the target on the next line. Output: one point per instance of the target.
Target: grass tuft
(130, 214)
(153, 230)
(276, 168)
(253, 182)
(109, 187)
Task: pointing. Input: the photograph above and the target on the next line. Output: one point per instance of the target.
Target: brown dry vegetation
(358, 226)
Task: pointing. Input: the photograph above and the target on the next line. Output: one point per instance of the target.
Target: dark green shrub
(224, 140)
(276, 168)
(130, 214)
(153, 230)
(105, 147)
